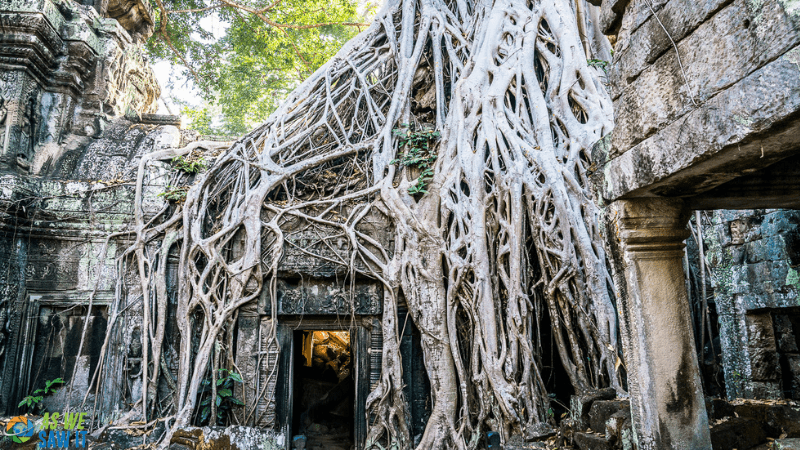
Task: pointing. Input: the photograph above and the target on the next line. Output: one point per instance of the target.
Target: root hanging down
(467, 125)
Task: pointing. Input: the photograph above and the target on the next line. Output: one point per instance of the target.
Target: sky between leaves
(227, 64)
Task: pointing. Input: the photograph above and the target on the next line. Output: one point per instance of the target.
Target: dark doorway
(324, 389)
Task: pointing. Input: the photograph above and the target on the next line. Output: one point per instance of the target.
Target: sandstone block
(581, 404)
(737, 432)
(602, 410)
(591, 441)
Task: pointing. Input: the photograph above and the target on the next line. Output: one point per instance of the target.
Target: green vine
(418, 153)
(224, 400)
(599, 63)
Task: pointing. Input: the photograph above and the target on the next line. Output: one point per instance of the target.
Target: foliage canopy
(245, 56)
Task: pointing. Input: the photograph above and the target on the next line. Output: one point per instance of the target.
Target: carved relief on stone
(133, 365)
(324, 297)
(28, 125)
(3, 123)
(738, 229)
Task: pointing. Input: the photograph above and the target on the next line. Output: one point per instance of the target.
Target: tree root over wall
(500, 232)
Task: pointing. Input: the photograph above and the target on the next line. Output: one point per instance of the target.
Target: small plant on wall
(223, 402)
(191, 163)
(33, 402)
(419, 153)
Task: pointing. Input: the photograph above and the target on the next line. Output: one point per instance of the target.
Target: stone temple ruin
(707, 118)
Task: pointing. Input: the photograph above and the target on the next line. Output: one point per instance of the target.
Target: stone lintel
(749, 126)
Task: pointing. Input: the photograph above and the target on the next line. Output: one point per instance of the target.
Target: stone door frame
(359, 345)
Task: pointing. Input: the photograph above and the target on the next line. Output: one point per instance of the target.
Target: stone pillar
(667, 403)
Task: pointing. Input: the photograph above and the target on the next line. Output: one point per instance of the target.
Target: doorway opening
(324, 389)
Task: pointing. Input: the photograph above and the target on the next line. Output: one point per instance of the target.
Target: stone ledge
(732, 134)
(157, 119)
(731, 45)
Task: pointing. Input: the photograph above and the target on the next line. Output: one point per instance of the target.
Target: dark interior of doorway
(324, 389)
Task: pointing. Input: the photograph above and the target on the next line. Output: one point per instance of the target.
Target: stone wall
(704, 91)
(755, 257)
(66, 72)
(54, 259)
(77, 97)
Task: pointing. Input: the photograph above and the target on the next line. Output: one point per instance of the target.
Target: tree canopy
(257, 52)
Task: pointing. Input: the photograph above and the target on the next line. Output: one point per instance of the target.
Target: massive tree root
(498, 231)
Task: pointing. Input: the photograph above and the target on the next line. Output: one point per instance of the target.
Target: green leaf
(220, 381)
(236, 401)
(224, 393)
(204, 413)
(219, 400)
(206, 401)
(246, 66)
(236, 377)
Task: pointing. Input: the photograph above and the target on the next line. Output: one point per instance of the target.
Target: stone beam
(777, 186)
(751, 125)
(667, 403)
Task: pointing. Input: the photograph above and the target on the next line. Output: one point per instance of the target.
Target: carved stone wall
(755, 258)
(65, 73)
(698, 81)
(76, 97)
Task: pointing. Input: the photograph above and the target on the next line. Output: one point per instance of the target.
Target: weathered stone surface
(136, 16)
(696, 118)
(705, 148)
(226, 438)
(611, 14)
(121, 438)
(667, 405)
(716, 55)
(649, 41)
(793, 366)
(67, 72)
(591, 441)
(602, 410)
(753, 280)
(763, 352)
(775, 418)
(737, 432)
(618, 426)
(581, 404)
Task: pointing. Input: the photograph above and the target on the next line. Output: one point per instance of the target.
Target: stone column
(667, 403)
